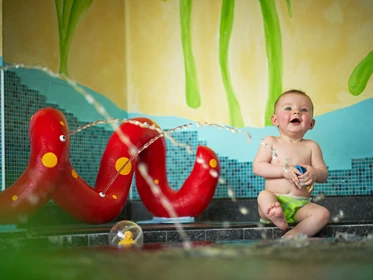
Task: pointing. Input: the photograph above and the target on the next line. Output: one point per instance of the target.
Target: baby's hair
(294, 91)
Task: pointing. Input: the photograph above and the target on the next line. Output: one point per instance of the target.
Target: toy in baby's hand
(302, 170)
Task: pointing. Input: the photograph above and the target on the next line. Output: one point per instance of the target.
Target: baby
(280, 160)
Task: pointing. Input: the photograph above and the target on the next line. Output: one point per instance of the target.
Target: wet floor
(276, 259)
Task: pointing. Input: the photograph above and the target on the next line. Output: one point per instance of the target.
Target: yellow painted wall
(97, 57)
(131, 52)
(322, 43)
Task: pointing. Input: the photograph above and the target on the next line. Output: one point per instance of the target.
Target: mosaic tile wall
(87, 147)
(20, 103)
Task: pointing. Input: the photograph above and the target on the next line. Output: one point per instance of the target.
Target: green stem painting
(226, 26)
(273, 41)
(69, 13)
(192, 93)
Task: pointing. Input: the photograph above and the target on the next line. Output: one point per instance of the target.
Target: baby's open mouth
(295, 121)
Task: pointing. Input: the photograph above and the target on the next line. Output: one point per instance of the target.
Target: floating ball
(126, 233)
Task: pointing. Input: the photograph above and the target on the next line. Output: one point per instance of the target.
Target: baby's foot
(276, 215)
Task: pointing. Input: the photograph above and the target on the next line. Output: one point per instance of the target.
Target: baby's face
(294, 114)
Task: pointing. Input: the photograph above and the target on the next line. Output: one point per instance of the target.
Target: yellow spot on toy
(213, 163)
(74, 174)
(49, 160)
(14, 198)
(123, 161)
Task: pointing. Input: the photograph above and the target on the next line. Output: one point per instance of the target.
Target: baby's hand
(309, 177)
(292, 175)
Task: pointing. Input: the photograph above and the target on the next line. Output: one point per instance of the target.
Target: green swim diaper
(290, 204)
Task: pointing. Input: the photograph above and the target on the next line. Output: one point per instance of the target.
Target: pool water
(275, 259)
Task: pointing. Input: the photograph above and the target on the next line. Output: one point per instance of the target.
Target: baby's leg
(311, 219)
(270, 209)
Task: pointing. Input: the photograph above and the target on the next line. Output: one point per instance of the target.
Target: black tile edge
(155, 237)
(258, 233)
(193, 235)
(358, 230)
(68, 241)
(98, 239)
(224, 234)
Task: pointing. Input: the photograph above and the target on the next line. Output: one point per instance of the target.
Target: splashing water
(166, 204)
(113, 123)
(135, 152)
(132, 149)
(318, 197)
(338, 217)
(286, 165)
(94, 124)
(274, 154)
(226, 127)
(231, 194)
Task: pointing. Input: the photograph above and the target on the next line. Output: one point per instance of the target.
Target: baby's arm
(262, 162)
(317, 170)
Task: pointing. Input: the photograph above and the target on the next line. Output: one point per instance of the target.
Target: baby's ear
(274, 120)
(312, 124)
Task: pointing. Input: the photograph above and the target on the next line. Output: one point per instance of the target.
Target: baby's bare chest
(291, 154)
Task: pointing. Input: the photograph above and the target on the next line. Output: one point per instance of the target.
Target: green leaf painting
(361, 74)
(226, 25)
(290, 9)
(273, 41)
(192, 92)
(69, 13)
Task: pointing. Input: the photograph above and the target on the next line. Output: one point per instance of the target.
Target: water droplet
(89, 99)
(263, 143)
(244, 210)
(222, 181)
(101, 110)
(226, 224)
(34, 199)
(214, 173)
(341, 214)
(274, 154)
(133, 151)
(230, 192)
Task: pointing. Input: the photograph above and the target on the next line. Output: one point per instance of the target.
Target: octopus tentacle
(48, 155)
(194, 195)
(91, 205)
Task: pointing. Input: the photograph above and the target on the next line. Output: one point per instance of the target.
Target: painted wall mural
(192, 93)
(226, 26)
(218, 61)
(361, 75)
(69, 14)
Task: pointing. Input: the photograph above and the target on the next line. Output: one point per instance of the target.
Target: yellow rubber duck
(127, 240)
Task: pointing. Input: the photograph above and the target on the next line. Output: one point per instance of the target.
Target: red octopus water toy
(50, 174)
